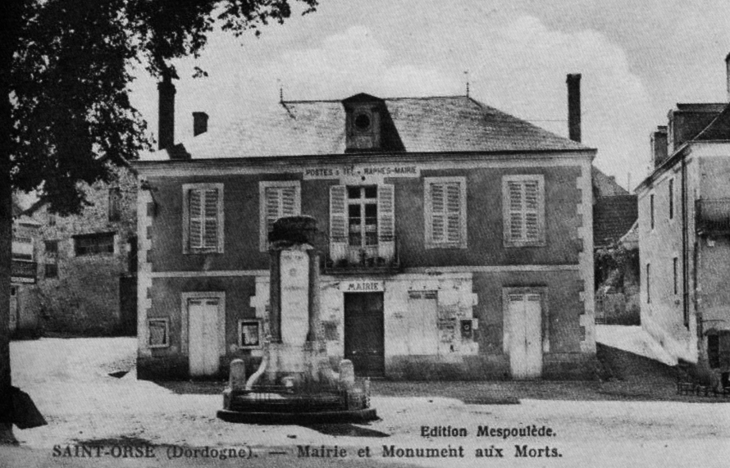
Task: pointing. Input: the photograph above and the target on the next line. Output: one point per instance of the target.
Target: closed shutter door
(386, 221)
(338, 222)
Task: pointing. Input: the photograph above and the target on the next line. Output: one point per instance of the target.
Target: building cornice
(258, 164)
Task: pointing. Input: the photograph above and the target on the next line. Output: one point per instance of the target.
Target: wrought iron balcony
(712, 216)
(379, 257)
(23, 271)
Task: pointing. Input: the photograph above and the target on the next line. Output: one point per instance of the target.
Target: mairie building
(455, 240)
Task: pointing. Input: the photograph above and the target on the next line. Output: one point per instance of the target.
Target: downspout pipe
(685, 250)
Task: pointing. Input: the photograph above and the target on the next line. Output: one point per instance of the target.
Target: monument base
(315, 417)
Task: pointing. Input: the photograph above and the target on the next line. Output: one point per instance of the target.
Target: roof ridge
(395, 98)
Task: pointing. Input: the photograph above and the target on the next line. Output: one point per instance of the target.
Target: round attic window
(362, 122)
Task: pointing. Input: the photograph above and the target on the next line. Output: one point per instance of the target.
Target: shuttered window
(524, 207)
(445, 212)
(362, 222)
(203, 218)
(278, 199)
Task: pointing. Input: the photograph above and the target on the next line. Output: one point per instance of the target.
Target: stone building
(24, 319)
(86, 281)
(684, 234)
(456, 239)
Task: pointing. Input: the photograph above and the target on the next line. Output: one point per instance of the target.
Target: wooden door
(364, 333)
(203, 337)
(525, 343)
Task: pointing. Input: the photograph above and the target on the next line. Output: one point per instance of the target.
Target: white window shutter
(338, 222)
(386, 221)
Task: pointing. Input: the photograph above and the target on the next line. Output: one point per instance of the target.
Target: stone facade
(87, 262)
(684, 224)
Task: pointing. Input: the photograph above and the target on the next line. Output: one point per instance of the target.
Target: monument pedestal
(295, 381)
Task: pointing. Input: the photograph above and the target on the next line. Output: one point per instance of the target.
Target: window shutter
(515, 211)
(277, 199)
(386, 221)
(288, 202)
(438, 218)
(272, 207)
(453, 212)
(446, 212)
(532, 203)
(338, 222)
(195, 235)
(210, 240)
(524, 210)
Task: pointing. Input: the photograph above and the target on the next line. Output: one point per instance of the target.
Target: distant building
(86, 281)
(684, 234)
(606, 186)
(457, 239)
(616, 262)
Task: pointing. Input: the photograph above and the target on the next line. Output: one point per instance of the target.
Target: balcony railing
(380, 257)
(23, 271)
(712, 216)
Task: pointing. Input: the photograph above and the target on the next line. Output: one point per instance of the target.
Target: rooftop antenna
(466, 72)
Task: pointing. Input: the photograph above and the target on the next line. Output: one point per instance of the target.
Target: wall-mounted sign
(386, 170)
(362, 286)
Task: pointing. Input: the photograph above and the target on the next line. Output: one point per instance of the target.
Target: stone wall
(83, 297)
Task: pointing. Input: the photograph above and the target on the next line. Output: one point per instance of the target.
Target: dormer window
(364, 117)
(363, 121)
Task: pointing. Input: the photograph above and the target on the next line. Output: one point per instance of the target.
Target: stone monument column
(297, 350)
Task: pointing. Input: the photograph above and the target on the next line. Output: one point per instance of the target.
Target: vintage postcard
(386, 233)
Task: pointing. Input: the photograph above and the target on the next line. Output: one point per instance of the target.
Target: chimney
(574, 107)
(659, 145)
(166, 112)
(200, 123)
(727, 74)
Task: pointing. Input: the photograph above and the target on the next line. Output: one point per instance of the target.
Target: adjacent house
(86, 275)
(684, 234)
(24, 319)
(456, 239)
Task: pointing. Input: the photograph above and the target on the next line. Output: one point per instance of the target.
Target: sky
(637, 60)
